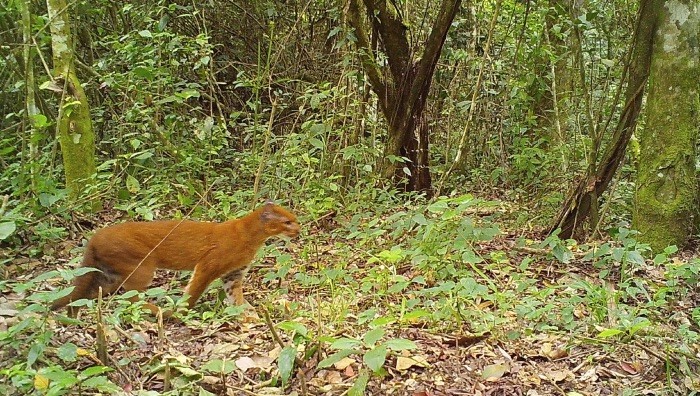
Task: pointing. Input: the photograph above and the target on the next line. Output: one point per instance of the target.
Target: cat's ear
(268, 212)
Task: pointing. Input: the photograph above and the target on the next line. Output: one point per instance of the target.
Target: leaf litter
(513, 356)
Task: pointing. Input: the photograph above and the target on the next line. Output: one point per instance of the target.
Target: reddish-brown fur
(128, 254)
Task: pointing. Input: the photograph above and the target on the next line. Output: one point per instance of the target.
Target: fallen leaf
(41, 382)
(275, 353)
(263, 362)
(549, 351)
(83, 352)
(558, 375)
(223, 349)
(343, 363)
(244, 363)
(630, 368)
(557, 353)
(334, 377)
(211, 379)
(494, 372)
(404, 363)
(590, 375)
(349, 372)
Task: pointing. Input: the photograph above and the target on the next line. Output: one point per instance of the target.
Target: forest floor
(524, 324)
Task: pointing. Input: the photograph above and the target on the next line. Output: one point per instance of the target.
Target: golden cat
(128, 254)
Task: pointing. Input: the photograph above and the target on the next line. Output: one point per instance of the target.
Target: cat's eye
(288, 222)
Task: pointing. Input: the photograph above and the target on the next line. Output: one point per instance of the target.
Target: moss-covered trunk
(582, 203)
(667, 186)
(73, 126)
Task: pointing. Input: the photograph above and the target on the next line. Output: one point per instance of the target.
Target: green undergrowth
(358, 286)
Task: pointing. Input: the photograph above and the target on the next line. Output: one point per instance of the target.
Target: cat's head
(278, 221)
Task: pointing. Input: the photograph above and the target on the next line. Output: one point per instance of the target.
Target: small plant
(372, 351)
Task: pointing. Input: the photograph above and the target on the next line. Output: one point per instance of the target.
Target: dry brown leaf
(263, 362)
(275, 353)
(343, 363)
(590, 375)
(404, 363)
(558, 353)
(349, 371)
(244, 363)
(211, 379)
(334, 377)
(224, 349)
(631, 368)
(493, 372)
(558, 375)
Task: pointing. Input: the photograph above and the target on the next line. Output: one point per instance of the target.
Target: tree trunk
(665, 203)
(583, 200)
(74, 126)
(30, 98)
(402, 86)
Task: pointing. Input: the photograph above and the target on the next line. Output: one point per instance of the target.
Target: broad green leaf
(94, 370)
(400, 344)
(144, 72)
(418, 218)
(187, 371)
(6, 229)
(374, 335)
(47, 200)
(67, 352)
(417, 314)
(145, 33)
(220, 366)
(397, 287)
(635, 257)
(374, 358)
(607, 333)
(345, 343)
(132, 184)
(358, 388)
(39, 120)
(317, 143)
(296, 327)
(438, 207)
(639, 326)
(562, 254)
(102, 383)
(34, 352)
(470, 257)
(285, 362)
(188, 93)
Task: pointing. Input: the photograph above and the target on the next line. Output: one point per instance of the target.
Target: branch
(368, 62)
(393, 35)
(433, 48)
